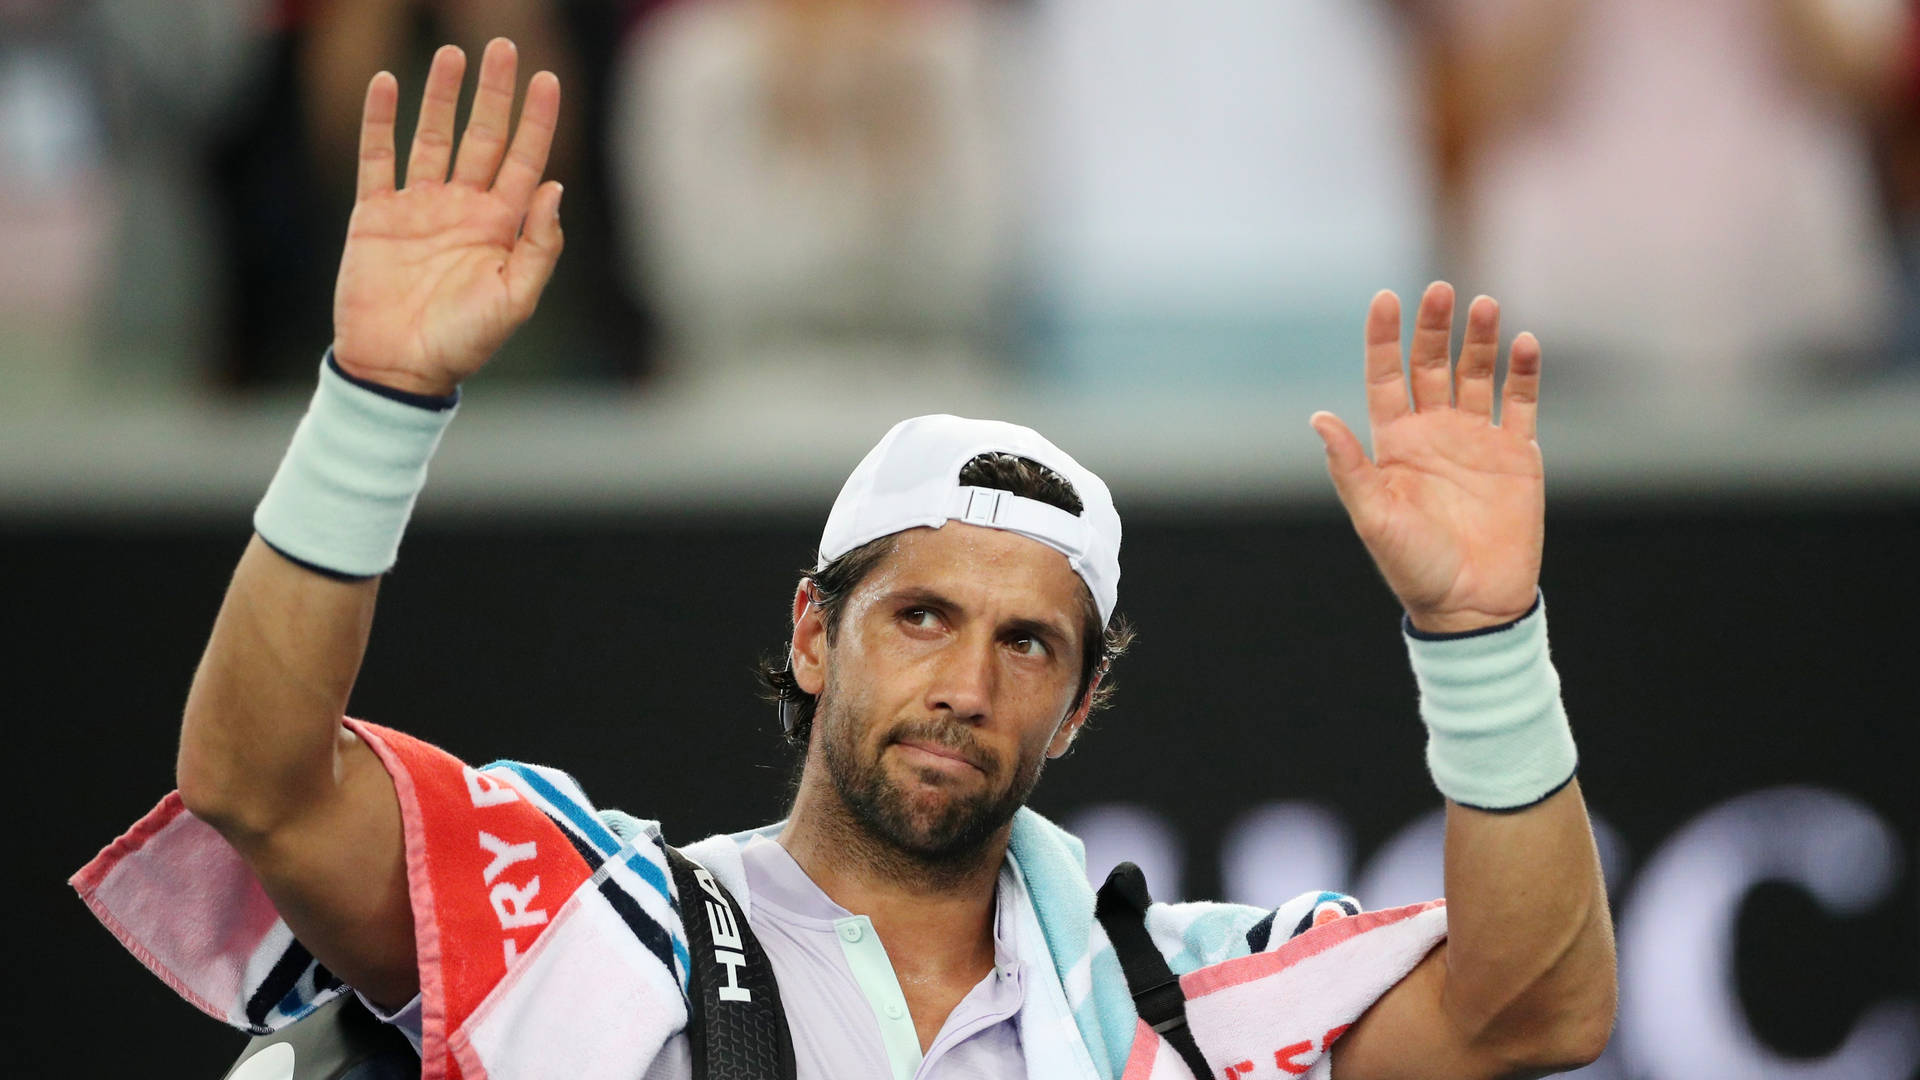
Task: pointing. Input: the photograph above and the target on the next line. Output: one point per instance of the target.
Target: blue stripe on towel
(644, 927)
(590, 826)
(603, 838)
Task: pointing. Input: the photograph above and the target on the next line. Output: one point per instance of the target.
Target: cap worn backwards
(911, 479)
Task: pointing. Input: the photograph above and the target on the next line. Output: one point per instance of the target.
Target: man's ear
(1070, 729)
(808, 654)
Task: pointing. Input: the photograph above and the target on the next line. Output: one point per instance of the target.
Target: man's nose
(963, 680)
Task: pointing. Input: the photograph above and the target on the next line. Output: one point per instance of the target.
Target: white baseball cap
(911, 479)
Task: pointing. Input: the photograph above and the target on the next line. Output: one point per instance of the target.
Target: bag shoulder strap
(736, 1026)
(1121, 906)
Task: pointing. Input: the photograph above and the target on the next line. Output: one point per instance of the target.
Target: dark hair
(835, 582)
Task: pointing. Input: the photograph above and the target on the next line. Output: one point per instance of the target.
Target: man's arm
(433, 279)
(1452, 508)
(1523, 985)
(265, 760)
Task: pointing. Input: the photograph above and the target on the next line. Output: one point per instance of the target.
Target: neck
(935, 917)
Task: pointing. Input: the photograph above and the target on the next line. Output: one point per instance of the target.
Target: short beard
(941, 846)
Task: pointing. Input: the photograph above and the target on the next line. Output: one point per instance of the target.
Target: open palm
(1452, 505)
(436, 276)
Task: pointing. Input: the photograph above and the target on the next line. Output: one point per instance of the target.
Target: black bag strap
(736, 1026)
(1121, 906)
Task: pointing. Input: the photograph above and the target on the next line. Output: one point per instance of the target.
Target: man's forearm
(1529, 978)
(1530, 965)
(1529, 975)
(264, 757)
(262, 720)
(265, 760)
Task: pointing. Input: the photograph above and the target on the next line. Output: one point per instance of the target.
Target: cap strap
(997, 509)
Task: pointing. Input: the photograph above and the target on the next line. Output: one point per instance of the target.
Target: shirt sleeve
(405, 1019)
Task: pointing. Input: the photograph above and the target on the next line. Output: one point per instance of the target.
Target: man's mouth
(930, 754)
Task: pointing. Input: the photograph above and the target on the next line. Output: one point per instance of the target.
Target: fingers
(1427, 361)
(1386, 381)
(531, 263)
(527, 158)
(1353, 475)
(1473, 376)
(486, 136)
(376, 135)
(433, 138)
(1429, 379)
(1520, 404)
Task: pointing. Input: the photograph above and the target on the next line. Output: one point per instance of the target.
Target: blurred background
(1149, 230)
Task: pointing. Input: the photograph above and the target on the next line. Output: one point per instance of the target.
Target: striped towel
(550, 942)
(1278, 1013)
(1306, 969)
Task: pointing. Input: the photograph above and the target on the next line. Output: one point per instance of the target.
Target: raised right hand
(436, 276)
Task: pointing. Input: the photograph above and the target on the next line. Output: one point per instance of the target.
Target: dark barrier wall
(1740, 678)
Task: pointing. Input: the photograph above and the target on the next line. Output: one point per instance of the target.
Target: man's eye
(1028, 645)
(920, 617)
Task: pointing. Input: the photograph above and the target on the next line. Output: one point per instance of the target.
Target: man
(919, 921)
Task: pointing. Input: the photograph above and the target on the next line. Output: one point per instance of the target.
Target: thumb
(1354, 477)
(534, 254)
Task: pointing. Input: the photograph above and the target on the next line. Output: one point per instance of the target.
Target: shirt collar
(778, 884)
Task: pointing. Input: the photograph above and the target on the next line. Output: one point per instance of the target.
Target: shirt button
(895, 1011)
(850, 931)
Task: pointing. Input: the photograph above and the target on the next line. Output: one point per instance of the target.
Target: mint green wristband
(1497, 734)
(342, 496)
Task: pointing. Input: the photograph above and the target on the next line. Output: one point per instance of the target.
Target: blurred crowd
(1716, 200)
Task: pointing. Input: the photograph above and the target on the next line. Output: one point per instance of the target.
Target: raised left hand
(1452, 506)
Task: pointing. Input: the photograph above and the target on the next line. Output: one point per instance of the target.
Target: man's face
(948, 683)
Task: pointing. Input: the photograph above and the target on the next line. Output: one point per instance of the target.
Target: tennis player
(950, 643)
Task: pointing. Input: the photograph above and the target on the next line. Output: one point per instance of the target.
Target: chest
(851, 1016)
